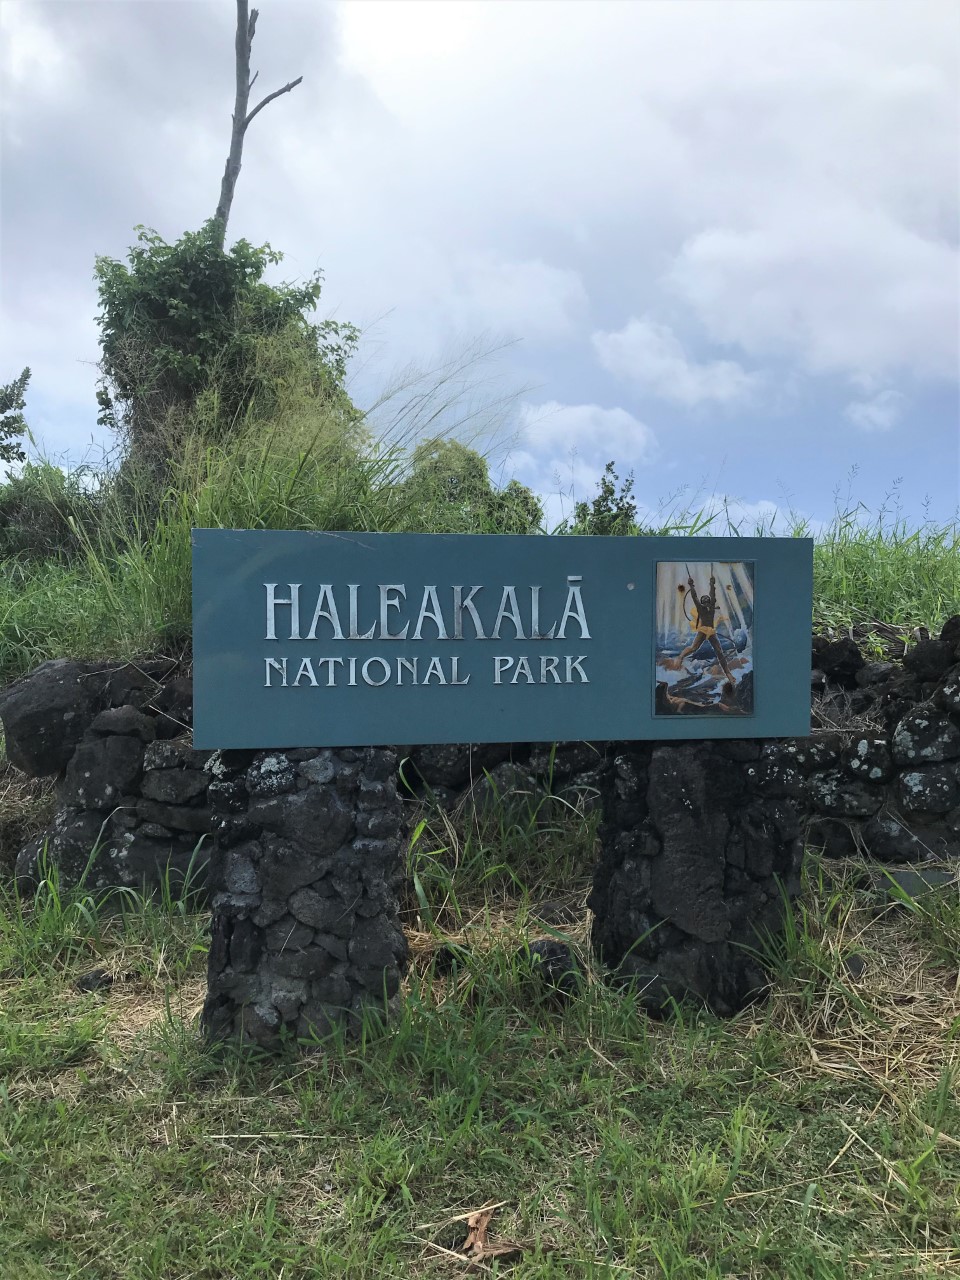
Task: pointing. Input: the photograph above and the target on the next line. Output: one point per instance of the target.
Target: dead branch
(246, 29)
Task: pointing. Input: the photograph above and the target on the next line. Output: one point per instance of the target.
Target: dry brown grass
(26, 807)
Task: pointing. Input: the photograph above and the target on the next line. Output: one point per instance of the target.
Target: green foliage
(12, 422)
(612, 513)
(44, 511)
(190, 321)
(449, 490)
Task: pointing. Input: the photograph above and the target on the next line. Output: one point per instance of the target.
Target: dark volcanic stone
(556, 766)
(869, 759)
(947, 696)
(918, 881)
(455, 766)
(177, 755)
(930, 790)
(690, 876)
(449, 957)
(101, 771)
(173, 705)
(271, 774)
(836, 795)
(174, 786)
(833, 836)
(840, 661)
(876, 673)
(306, 933)
(125, 720)
(854, 965)
(925, 736)
(888, 837)
(930, 659)
(317, 820)
(95, 980)
(46, 713)
(555, 964)
(821, 751)
(177, 817)
(950, 634)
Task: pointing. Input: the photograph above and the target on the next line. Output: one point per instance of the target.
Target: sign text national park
(342, 639)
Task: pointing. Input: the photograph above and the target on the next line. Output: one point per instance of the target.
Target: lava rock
(176, 816)
(125, 720)
(100, 771)
(173, 705)
(822, 751)
(869, 759)
(271, 774)
(447, 765)
(888, 837)
(836, 795)
(177, 755)
(925, 736)
(947, 696)
(449, 957)
(873, 674)
(834, 838)
(46, 713)
(556, 964)
(930, 659)
(840, 661)
(174, 786)
(95, 980)
(930, 790)
(917, 882)
(854, 965)
(69, 844)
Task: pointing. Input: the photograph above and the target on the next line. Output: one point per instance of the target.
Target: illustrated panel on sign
(704, 638)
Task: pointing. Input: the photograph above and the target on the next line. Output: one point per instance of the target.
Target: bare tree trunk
(246, 28)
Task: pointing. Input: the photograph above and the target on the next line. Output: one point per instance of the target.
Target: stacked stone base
(694, 870)
(305, 874)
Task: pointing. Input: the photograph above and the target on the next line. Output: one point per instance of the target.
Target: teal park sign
(349, 639)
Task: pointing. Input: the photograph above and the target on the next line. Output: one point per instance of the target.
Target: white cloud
(522, 299)
(848, 291)
(880, 413)
(588, 429)
(651, 355)
(562, 450)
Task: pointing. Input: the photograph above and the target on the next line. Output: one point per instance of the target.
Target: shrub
(46, 511)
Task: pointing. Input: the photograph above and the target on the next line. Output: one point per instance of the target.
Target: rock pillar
(303, 884)
(694, 862)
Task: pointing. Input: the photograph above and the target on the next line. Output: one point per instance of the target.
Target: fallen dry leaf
(506, 1250)
(476, 1241)
(479, 1249)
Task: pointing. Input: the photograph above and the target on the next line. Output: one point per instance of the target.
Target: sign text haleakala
(347, 613)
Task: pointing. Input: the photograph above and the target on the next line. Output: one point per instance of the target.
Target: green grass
(885, 571)
(815, 1136)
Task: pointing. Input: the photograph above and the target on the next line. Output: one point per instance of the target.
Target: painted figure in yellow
(704, 623)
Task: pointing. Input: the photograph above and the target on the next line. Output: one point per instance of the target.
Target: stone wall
(698, 839)
(880, 773)
(131, 792)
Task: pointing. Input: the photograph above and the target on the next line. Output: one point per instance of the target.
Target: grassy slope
(816, 1136)
(130, 596)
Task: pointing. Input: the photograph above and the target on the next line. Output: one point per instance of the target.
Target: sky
(716, 243)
